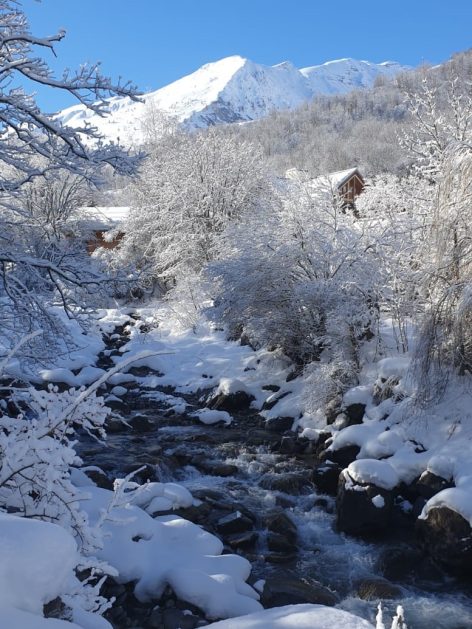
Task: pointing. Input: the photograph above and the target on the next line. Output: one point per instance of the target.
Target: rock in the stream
(233, 523)
(342, 456)
(147, 472)
(238, 401)
(280, 544)
(117, 405)
(326, 477)
(376, 588)
(115, 425)
(287, 445)
(280, 590)
(244, 540)
(279, 424)
(141, 423)
(289, 482)
(447, 536)
(281, 537)
(278, 522)
(362, 509)
(406, 563)
(214, 468)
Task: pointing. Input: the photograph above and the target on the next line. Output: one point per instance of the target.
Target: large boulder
(354, 413)
(447, 536)
(429, 484)
(342, 456)
(282, 590)
(366, 493)
(233, 523)
(326, 477)
(231, 402)
(294, 483)
(376, 588)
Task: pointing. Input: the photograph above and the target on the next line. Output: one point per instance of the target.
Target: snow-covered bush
(300, 276)
(190, 187)
(43, 163)
(36, 456)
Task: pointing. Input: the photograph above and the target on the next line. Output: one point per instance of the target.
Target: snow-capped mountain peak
(233, 89)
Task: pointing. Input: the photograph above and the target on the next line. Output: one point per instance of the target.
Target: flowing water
(240, 468)
(191, 454)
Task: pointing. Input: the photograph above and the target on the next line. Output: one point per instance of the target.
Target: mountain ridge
(232, 89)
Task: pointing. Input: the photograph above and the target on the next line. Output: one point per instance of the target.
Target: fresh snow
(37, 559)
(296, 617)
(343, 75)
(232, 89)
(372, 472)
(168, 550)
(37, 565)
(378, 501)
(209, 416)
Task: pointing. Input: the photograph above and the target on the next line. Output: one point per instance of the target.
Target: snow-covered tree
(34, 146)
(446, 341)
(441, 114)
(300, 277)
(25, 131)
(190, 188)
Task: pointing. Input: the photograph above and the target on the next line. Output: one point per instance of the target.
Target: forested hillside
(361, 128)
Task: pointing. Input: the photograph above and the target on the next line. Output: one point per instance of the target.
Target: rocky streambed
(266, 493)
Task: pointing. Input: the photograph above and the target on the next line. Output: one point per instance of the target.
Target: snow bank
(171, 551)
(11, 618)
(37, 565)
(296, 617)
(37, 561)
(202, 358)
(373, 472)
(156, 497)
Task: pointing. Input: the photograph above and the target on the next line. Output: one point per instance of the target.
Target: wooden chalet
(97, 221)
(348, 184)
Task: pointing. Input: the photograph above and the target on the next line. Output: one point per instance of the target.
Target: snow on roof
(103, 217)
(341, 176)
(296, 174)
(334, 180)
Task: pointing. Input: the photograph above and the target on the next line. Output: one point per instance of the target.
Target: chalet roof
(338, 178)
(102, 217)
(333, 180)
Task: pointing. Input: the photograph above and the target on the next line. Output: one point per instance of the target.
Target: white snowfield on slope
(233, 89)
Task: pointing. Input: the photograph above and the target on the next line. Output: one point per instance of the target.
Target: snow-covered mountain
(233, 89)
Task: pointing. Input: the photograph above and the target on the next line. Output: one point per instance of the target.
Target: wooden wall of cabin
(98, 240)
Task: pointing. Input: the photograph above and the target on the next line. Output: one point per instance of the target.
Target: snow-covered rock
(296, 616)
(211, 416)
(169, 550)
(37, 565)
(373, 472)
(365, 497)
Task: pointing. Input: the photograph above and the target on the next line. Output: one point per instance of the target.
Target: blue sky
(154, 42)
